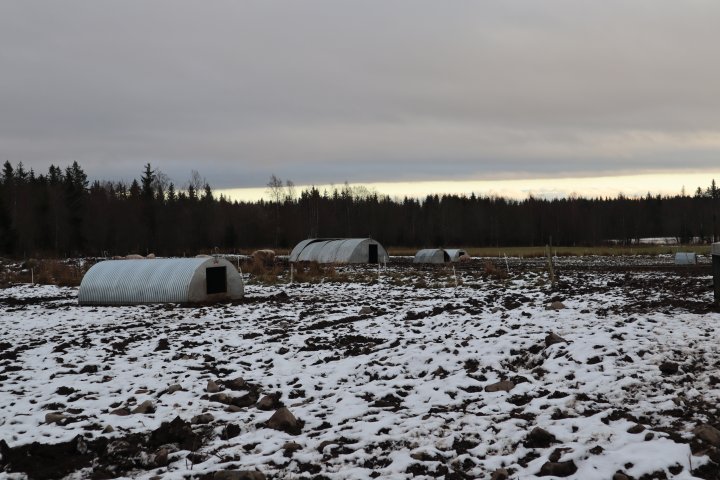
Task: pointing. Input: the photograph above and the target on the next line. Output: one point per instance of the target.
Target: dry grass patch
(64, 273)
(494, 271)
(314, 272)
(263, 270)
(539, 251)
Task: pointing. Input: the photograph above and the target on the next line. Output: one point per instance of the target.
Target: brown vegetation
(314, 272)
(262, 269)
(65, 273)
(494, 271)
(265, 272)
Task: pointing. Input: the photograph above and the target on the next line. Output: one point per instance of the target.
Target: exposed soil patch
(107, 457)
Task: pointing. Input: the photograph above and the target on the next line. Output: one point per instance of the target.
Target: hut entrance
(372, 253)
(216, 280)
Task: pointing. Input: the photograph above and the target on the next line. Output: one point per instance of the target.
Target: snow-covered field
(408, 377)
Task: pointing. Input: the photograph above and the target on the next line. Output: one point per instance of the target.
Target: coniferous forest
(60, 213)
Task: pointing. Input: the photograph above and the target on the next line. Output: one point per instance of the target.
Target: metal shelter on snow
(431, 255)
(339, 250)
(160, 280)
(438, 255)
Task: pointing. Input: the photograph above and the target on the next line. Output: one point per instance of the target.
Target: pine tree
(8, 174)
(76, 178)
(76, 185)
(171, 195)
(207, 193)
(20, 174)
(146, 181)
(134, 189)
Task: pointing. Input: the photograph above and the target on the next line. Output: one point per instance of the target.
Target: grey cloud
(327, 91)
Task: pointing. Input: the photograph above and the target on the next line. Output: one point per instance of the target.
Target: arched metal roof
(160, 280)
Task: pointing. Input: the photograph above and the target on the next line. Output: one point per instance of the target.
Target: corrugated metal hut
(431, 255)
(339, 250)
(455, 254)
(439, 255)
(161, 280)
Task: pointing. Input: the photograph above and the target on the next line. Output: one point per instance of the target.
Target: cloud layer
(327, 91)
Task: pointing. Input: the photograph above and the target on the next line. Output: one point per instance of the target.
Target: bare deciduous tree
(161, 180)
(275, 191)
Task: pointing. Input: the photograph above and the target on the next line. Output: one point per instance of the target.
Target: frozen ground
(385, 380)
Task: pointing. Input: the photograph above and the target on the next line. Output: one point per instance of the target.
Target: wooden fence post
(551, 270)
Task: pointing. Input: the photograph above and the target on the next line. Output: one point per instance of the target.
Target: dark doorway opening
(372, 253)
(446, 257)
(216, 280)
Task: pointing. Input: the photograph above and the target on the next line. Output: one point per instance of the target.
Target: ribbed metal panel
(332, 252)
(312, 252)
(295, 254)
(351, 250)
(127, 282)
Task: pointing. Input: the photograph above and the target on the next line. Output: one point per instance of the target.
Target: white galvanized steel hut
(431, 255)
(339, 250)
(161, 280)
(438, 255)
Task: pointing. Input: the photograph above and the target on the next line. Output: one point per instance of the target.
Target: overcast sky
(364, 91)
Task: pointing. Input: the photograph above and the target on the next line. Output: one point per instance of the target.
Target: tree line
(61, 213)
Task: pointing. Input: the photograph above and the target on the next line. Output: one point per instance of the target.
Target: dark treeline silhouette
(61, 214)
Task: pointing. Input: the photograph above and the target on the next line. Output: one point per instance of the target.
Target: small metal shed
(438, 255)
(339, 250)
(161, 280)
(431, 255)
(685, 258)
(455, 254)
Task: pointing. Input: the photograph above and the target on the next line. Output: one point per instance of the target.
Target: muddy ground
(503, 376)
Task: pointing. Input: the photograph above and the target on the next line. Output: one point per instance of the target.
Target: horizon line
(630, 186)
